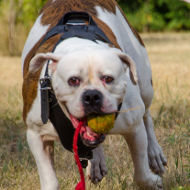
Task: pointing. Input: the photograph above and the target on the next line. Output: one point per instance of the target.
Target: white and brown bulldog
(90, 77)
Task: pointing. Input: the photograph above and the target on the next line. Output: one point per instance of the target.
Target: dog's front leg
(41, 151)
(138, 144)
(97, 169)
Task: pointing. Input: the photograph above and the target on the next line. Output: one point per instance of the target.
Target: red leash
(81, 184)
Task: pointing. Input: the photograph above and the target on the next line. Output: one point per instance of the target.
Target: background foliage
(143, 14)
(17, 17)
(157, 15)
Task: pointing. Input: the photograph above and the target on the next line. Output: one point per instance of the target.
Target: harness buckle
(45, 78)
(45, 83)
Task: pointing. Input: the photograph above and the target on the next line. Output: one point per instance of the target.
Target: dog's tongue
(85, 131)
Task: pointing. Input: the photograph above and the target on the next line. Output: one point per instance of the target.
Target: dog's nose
(92, 99)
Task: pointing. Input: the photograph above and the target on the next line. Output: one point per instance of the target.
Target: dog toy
(81, 184)
(101, 124)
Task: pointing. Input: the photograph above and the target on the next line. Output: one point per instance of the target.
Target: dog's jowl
(82, 60)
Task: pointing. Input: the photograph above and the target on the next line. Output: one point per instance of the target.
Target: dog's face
(91, 82)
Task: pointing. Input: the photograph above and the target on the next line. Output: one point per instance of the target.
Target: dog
(86, 56)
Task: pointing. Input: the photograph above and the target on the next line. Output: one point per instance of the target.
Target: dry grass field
(170, 59)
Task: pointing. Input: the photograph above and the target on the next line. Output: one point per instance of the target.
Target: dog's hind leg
(157, 160)
(42, 151)
(138, 144)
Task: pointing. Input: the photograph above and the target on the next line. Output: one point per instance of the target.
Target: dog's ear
(40, 59)
(130, 63)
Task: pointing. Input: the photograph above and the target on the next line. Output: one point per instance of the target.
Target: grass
(169, 55)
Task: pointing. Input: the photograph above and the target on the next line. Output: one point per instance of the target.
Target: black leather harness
(72, 24)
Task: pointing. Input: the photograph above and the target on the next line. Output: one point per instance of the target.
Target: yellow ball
(101, 124)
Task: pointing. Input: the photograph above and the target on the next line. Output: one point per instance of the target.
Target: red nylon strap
(81, 184)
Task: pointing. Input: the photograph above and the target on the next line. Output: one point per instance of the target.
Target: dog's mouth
(89, 137)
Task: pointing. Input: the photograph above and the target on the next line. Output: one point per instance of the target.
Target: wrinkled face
(89, 83)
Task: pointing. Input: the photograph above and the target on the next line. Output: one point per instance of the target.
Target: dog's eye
(107, 79)
(74, 81)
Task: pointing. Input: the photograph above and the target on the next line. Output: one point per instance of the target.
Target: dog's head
(90, 82)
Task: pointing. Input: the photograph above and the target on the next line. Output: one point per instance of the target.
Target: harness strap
(69, 27)
(65, 130)
(45, 84)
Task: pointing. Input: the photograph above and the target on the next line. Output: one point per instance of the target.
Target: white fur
(98, 58)
(46, 172)
(37, 31)
(125, 37)
(120, 29)
(137, 142)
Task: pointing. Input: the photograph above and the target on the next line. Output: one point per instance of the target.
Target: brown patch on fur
(29, 90)
(30, 84)
(48, 147)
(52, 12)
(29, 56)
(108, 32)
(46, 47)
(137, 35)
(133, 73)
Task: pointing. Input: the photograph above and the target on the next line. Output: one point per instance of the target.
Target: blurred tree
(178, 15)
(131, 4)
(9, 12)
(29, 10)
(144, 15)
(157, 15)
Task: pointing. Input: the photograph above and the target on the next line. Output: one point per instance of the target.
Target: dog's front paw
(96, 168)
(157, 160)
(150, 182)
